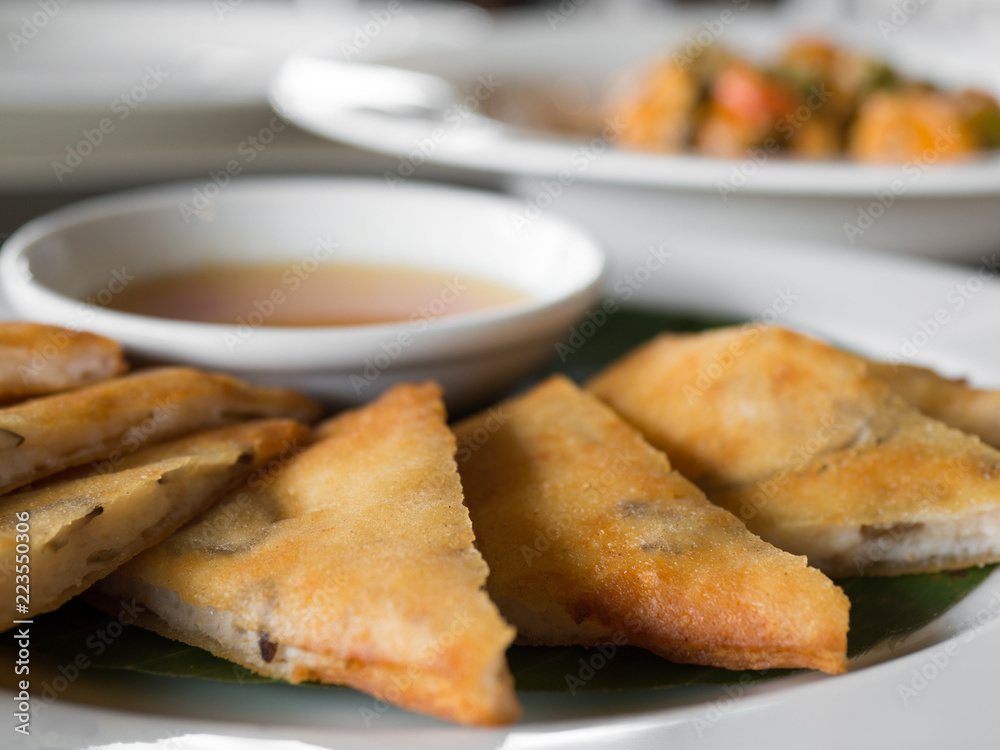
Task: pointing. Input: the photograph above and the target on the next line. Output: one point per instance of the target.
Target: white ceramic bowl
(50, 266)
(630, 199)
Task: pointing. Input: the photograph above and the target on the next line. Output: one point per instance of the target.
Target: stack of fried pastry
(343, 554)
(96, 465)
(672, 505)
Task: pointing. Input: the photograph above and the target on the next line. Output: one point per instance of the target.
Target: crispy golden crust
(591, 538)
(357, 559)
(952, 401)
(108, 421)
(815, 455)
(36, 360)
(730, 405)
(657, 114)
(83, 528)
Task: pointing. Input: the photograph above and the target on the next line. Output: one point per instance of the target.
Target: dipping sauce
(331, 295)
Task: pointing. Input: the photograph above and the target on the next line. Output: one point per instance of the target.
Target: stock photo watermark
(34, 22)
(956, 300)
(223, 8)
(57, 340)
(96, 644)
(623, 290)
(136, 436)
(223, 528)
(203, 196)
(292, 279)
(721, 707)
(28, 703)
(941, 657)
(402, 682)
(796, 460)
(712, 29)
(22, 631)
(912, 170)
(882, 542)
(786, 127)
(363, 34)
(122, 106)
(496, 418)
(599, 657)
(419, 321)
(452, 119)
(545, 537)
(901, 14)
(723, 360)
(580, 160)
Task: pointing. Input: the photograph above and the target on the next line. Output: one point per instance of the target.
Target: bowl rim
(31, 298)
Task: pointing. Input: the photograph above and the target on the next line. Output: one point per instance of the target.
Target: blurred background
(101, 95)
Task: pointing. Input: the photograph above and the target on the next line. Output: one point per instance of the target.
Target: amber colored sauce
(328, 295)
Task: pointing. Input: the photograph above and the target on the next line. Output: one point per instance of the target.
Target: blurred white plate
(864, 300)
(181, 86)
(946, 211)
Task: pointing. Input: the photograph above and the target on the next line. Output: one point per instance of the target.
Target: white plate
(938, 210)
(864, 300)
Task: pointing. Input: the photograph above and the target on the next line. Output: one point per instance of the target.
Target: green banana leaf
(880, 608)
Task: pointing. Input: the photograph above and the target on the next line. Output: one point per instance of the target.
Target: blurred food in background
(817, 101)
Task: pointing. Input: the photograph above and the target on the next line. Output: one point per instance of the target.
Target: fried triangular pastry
(813, 453)
(74, 531)
(954, 402)
(36, 359)
(592, 538)
(354, 564)
(106, 422)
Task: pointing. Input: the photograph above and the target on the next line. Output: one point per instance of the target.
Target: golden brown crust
(586, 528)
(82, 528)
(731, 404)
(36, 359)
(954, 402)
(358, 554)
(814, 454)
(108, 421)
